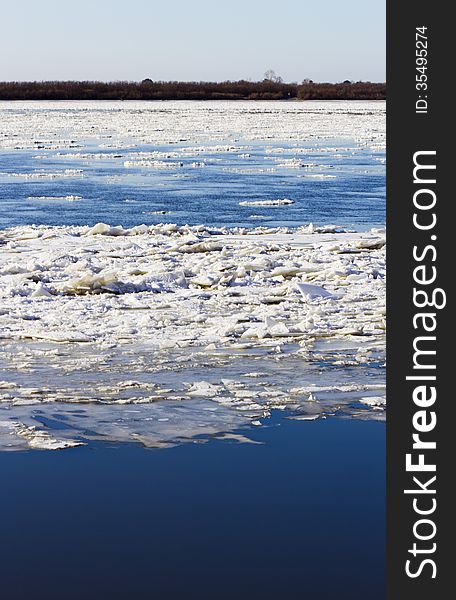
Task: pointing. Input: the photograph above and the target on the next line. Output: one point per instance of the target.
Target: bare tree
(271, 75)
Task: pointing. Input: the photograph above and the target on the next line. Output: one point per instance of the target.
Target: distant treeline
(177, 90)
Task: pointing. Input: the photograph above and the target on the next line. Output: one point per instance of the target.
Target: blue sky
(325, 40)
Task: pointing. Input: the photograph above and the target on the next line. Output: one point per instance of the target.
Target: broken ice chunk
(310, 292)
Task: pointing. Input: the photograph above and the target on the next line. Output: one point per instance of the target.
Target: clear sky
(325, 40)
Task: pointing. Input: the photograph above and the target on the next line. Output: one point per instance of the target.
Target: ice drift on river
(159, 333)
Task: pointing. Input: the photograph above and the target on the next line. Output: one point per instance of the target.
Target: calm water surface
(300, 515)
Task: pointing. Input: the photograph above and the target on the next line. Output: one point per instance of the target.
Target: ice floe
(167, 333)
(69, 198)
(278, 202)
(121, 125)
(221, 325)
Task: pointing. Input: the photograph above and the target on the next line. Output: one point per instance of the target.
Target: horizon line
(149, 79)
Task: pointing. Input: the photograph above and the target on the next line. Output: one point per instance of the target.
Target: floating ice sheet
(161, 333)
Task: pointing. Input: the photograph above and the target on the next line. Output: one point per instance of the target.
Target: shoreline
(267, 89)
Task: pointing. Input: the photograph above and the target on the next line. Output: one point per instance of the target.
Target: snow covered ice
(161, 318)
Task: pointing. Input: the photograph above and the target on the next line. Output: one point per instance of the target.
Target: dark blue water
(299, 517)
(353, 197)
